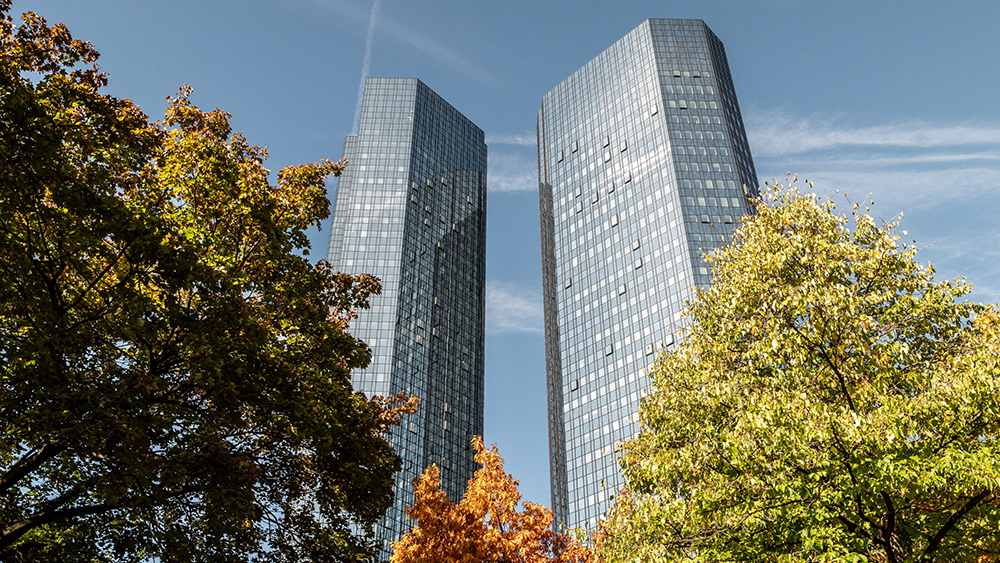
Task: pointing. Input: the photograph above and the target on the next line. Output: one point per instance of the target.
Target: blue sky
(897, 99)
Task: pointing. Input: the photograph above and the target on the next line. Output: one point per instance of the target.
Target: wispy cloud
(427, 45)
(511, 172)
(436, 50)
(973, 256)
(915, 163)
(526, 139)
(775, 133)
(899, 189)
(511, 308)
(366, 65)
(944, 176)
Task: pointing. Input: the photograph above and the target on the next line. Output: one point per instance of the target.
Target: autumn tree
(829, 402)
(486, 526)
(174, 375)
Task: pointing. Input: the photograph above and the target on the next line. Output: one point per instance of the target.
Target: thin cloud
(366, 64)
(776, 133)
(867, 159)
(510, 308)
(915, 164)
(427, 45)
(901, 190)
(437, 51)
(943, 176)
(511, 172)
(526, 140)
(973, 256)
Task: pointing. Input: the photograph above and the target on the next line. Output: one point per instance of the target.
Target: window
(682, 104)
(635, 244)
(569, 283)
(611, 187)
(637, 264)
(622, 289)
(576, 146)
(607, 156)
(624, 146)
(607, 141)
(579, 207)
(654, 109)
(614, 220)
(560, 157)
(609, 349)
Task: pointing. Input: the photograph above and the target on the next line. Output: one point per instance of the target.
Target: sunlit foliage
(486, 526)
(829, 402)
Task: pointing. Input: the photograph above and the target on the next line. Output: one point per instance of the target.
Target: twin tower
(643, 168)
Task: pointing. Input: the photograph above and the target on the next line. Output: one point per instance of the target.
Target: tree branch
(49, 513)
(14, 532)
(28, 464)
(829, 361)
(889, 529)
(958, 515)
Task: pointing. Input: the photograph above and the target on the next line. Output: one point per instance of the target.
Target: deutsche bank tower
(411, 209)
(643, 168)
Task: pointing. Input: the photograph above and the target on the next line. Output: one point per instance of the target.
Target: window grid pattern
(411, 210)
(642, 167)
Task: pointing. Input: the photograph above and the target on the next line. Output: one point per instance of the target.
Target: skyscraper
(643, 167)
(411, 209)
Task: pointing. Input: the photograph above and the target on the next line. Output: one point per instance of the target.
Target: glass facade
(411, 210)
(644, 167)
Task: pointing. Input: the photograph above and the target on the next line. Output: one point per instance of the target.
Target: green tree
(174, 377)
(829, 402)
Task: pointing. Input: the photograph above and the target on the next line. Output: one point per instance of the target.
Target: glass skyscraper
(643, 168)
(411, 210)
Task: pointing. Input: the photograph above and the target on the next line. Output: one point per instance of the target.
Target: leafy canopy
(486, 526)
(174, 378)
(830, 402)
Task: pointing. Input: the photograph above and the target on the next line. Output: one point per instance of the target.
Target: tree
(829, 402)
(174, 378)
(485, 526)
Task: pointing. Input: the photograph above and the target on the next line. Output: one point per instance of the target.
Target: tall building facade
(411, 210)
(644, 167)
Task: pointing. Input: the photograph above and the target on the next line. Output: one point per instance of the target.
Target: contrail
(366, 64)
